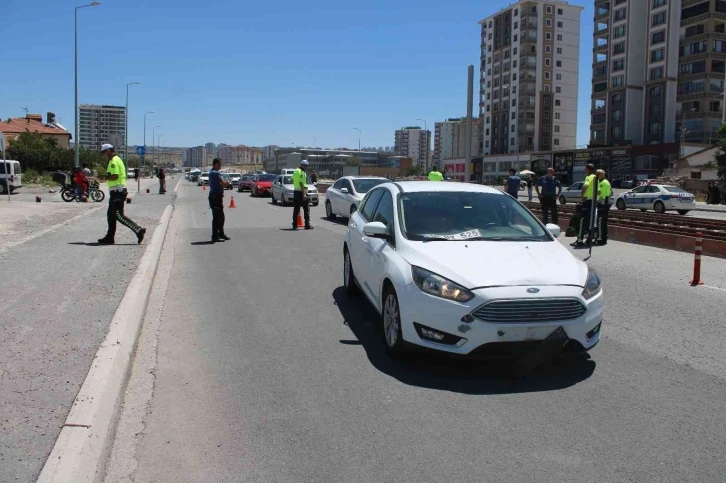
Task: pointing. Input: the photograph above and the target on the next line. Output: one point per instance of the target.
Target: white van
(10, 175)
(284, 172)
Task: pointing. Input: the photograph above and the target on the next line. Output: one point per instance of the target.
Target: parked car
(284, 191)
(500, 286)
(228, 178)
(10, 176)
(262, 184)
(194, 176)
(203, 178)
(657, 197)
(235, 178)
(628, 184)
(246, 183)
(616, 183)
(344, 196)
(571, 194)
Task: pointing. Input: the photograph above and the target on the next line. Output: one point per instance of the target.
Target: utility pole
(469, 108)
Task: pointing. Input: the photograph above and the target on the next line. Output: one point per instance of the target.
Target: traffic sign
(140, 150)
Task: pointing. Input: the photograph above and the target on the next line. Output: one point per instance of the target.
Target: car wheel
(348, 276)
(563, 200)
(392, 322)
(274, 201)
(329, 211)
(683, 212)
(353, 209)
(620, 205)
(659, 207)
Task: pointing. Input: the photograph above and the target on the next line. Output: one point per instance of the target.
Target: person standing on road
(87, 174)
(604, 202)
(511, 186)
(530, 185)
(116, 180)
(586, 197)
(162, 181)
(548, 195)
(314, 177)
(435, 175)
(300, 200)
(216, 201)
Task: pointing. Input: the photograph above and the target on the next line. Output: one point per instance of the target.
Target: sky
(256, 73)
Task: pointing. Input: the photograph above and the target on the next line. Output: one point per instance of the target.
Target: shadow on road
(433, 371)
(208, 242)
(340, 221)
(96, 244)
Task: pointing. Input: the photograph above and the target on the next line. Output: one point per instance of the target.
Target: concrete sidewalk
(58, 294)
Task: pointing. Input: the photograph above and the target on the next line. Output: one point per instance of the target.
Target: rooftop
(32, 123)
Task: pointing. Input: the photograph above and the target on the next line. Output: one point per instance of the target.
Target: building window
(516, 38)
(548, 61)
(548, 9)
(559, 37)
(514, 52)
(558, 90)
(547, 75)
(557, 128)
(617, 81)
(559, 50)
(719, 46)
(516, 25)
(546, 87)
(620, 14)
(617, 114)
(718, 66)
(557, 102)
(511, 140)
(547, 114)
(559, 11)
(557, 142)
(514, 115)
(619, 48)
(618, 65)
(559, 25)
(656, 92)
(548, 36)
(619, 32)
(558, 76)
(615, 131)
(514, 102)
(658, 19)
(516, 12)
(657, 37)
(545, 141)
(548, 22)
(658, 3)
(557, 115)
(546, 101)
(617, 98)
(545, 128)
(558, 63)
(654, 128)
(656, 73)
(657, 55)
(548, 49)
(694, 30)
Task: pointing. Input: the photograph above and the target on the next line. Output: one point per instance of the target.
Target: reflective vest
(589, 183)
(436, 176)
(604, 190)
(299, 179)
(116, 166)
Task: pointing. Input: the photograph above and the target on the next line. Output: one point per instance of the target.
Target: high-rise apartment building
(195, 157)
(101, 124)
(414, 142)
(239, 155)
(529, 77)
(444, 141)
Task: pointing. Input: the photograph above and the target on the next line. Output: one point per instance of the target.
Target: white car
(343, 198)
(284, 192)
(657, 197)
(572, 194)
(466, 269)
(203, 178)
(236, 177)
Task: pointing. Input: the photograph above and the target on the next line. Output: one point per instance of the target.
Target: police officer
(587, 207)
(300, 182)
(116, 180)
(216, 201)
(604, 202)
(435, 175)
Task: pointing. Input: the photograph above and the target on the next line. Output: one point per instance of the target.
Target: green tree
(413, 171)
(353, 161)
(43, 154)
(720, 156)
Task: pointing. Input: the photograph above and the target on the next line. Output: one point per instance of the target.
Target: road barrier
(697, 260)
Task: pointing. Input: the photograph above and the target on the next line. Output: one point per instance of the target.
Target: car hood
(265, 184)
(478, 264)
(289, 187)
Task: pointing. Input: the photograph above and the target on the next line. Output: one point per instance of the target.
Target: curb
(84, 443)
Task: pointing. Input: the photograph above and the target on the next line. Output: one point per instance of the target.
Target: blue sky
(256, 73)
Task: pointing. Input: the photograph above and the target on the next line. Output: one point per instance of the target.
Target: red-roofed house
(34, 123)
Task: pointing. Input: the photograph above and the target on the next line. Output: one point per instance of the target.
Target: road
(254, 366)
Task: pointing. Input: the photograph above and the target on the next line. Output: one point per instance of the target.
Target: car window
(384, 211)
(462, 215)
(368, 205)
(338, 184)
(675, 189)
(365, 185)
(576, 186)
(639, 189)
(346, 184)
(287, 180)
(653, 189)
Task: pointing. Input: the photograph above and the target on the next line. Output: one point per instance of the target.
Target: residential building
(239, 155)
(530, 77)
(50, 129)
(444, 141)
(195, 157)
(414, 142)
(101, 124)
(635, 67)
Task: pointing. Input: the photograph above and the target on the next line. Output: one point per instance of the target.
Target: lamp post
(153, 144)
(126, 130)
(76, 145)
(428, 144)
(359, 135)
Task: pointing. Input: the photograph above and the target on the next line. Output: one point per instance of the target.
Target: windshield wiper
(508, 238)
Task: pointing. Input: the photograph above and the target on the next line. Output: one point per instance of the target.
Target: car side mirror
(554, 229)
(344, 191)
(375, 229)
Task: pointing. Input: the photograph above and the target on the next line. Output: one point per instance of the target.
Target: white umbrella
(526, 172)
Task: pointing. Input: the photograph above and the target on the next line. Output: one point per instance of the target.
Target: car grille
(529, 310)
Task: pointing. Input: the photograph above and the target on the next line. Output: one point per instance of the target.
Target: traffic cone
(204, 187)
(300, 222)
(232, 204)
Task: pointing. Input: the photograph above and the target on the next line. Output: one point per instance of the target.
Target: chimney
(50, 118)
(35, 117)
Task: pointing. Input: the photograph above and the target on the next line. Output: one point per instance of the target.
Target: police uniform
(586, 208)
(299, 181)
(117, 200)
(216, 203)
(604, 202)
(436, 176)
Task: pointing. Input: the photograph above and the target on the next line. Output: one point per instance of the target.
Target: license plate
(558, 334)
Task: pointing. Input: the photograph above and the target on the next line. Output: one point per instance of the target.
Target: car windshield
(206, 173)
(266, 177)
(365, 185)
(248, 178)
(675, 189)
(466, 215)
(288, 180)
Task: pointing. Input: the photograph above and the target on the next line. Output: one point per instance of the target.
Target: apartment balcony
(699, 18)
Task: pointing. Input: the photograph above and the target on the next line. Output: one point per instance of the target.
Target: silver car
(284, 192)
(343, 198)
(572, 194)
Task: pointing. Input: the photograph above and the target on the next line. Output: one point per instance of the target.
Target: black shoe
(578, 244)
(105, 241)
(216, 240)
(140, 235)
(308, 227)
(294, 227)
(224, 237)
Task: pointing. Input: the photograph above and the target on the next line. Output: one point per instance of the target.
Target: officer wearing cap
(300, 182)
(116, 180)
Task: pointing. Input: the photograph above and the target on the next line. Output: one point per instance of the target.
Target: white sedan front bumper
(423, 315)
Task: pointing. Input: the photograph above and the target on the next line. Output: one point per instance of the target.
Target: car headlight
(439, 286)
(592, 286)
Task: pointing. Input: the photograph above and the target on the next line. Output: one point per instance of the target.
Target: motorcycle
(68, 192)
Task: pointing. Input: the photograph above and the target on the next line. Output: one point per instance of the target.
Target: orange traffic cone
(232, 204)
(204, 187)
(300, 222)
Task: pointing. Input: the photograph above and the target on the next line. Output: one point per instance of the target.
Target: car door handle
(352, 225)
(364, 239)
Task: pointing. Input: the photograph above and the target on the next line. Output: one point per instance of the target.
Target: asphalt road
(257, 367)
(58, 294)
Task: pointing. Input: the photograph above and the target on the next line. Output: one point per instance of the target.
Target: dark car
(246, 183)
(617, 183)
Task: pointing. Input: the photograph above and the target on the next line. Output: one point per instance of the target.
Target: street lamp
(126, 131)
(77, 156)
(153, 144)
(426, 128)
(359, 134)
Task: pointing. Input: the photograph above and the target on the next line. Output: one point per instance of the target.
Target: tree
(720, 156)
(413, 171)
(43, 154)
(353, 161)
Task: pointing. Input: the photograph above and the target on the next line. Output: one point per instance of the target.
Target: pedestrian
(604, 202)
(87, 173)
(116, 180)
(511, 186)
(314, 177)
(216, 201)
(435, 175)
(548, 195)
(162, 181)
(530, 185)
(586, 211)
(300, 200)
(716, 194)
